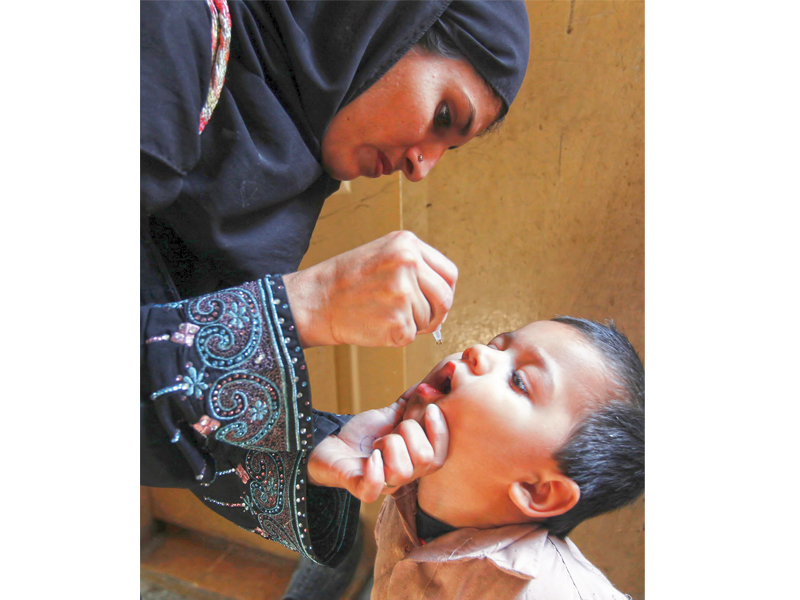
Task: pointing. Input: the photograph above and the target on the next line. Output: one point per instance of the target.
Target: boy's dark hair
(605, 453)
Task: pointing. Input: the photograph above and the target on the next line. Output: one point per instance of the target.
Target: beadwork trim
(218, 474)
(289, 349)
(181, 387)
(291, 352)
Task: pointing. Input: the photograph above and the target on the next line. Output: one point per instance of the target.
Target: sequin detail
(205, 427)
(185, 334)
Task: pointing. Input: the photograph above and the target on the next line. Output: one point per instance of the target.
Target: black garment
(428, 527)
(225, 408)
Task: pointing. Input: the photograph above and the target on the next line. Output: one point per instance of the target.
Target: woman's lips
(383, 166)
(378, 170)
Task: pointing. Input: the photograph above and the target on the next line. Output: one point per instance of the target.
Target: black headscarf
(241, 199)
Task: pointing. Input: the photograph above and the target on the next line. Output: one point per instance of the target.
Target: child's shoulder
(587, 579)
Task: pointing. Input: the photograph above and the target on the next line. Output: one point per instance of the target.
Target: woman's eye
(516, 381)
(442, 119)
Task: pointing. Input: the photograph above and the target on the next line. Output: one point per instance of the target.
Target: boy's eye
(442, 120)
(516, 381)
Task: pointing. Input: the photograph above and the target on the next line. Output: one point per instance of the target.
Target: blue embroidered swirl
(230, 327)
(250, 398)
(267, 473)
(273, 531)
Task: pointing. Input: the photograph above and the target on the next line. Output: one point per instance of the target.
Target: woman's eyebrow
(465, 130)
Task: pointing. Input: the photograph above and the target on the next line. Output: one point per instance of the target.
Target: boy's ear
(544, 498)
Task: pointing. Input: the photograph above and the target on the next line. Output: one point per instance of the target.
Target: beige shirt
(515, 561)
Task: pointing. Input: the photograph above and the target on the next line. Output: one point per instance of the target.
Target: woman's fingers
(411, 452)
(435, 277)
(380, 294)
(370, 486)
(398, 469)
(440, 263)
(438, 436)
(435, 299)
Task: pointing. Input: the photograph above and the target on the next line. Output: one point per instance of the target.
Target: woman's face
(425, 104)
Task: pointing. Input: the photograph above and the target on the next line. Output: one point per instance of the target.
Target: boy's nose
(478, 358)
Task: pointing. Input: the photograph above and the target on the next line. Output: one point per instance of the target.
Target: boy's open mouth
(444, 377)
(440, 385)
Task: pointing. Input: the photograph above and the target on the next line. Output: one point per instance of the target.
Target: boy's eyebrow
(533, 357)
(505, 339)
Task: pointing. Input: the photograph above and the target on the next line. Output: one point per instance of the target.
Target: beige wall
(544, 217)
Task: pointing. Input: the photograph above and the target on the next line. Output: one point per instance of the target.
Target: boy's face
(511, 404)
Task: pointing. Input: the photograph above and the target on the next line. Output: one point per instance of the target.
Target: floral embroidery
(194, 382)
(238, 315)
(258, 411)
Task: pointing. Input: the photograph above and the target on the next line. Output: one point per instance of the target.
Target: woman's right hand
(383, 293)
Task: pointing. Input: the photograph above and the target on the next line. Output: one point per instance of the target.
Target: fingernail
(435, 411)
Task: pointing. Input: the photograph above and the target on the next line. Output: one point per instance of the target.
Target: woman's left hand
(376, 452)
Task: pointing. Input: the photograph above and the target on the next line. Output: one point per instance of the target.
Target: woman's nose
(419, 162)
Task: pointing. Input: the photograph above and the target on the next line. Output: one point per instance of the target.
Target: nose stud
(419, 158)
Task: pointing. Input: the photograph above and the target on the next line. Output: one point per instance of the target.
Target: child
(546, 430)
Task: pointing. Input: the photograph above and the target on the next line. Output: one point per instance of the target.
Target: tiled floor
(152, 591)
(180, 565)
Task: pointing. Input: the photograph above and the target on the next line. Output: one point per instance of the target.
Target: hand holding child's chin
(378, 451)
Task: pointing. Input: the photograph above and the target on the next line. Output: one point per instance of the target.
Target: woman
(234, 171)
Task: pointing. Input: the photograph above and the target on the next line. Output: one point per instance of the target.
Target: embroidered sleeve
(225, 386)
